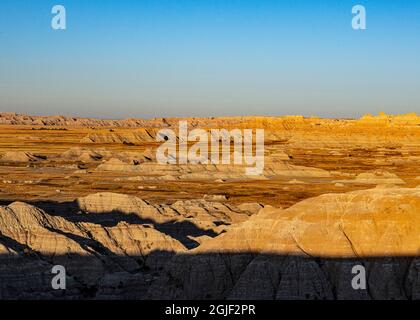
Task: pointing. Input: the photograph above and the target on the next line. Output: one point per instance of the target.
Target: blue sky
(161, 58)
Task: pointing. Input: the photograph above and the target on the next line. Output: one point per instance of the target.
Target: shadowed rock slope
(112, 245)
(304, 252)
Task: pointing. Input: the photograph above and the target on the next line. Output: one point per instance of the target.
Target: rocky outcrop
(308, 251)
(91, 254)
(20, 156)
(206, 215)
(133, 137)
(81, 154)
(208, 231)
(112, 246)
(119, 246)
(272, 169)
(375, 177)
(12, 118)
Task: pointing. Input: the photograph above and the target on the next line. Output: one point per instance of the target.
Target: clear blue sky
(154, 58)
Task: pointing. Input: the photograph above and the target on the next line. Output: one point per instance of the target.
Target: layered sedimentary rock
(20, 156)
(90, 195)
(114, 246)
(90, 252)
(375, 177)
(308, 251)
(206, 215)
(274, 168)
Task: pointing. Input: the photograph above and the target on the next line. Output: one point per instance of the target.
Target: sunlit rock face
(308, 251)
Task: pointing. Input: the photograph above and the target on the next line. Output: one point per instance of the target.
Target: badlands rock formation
(113, 246)
(89, 194)
(308, 251)
(375, 177)
(305, 252)
(19, 156)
